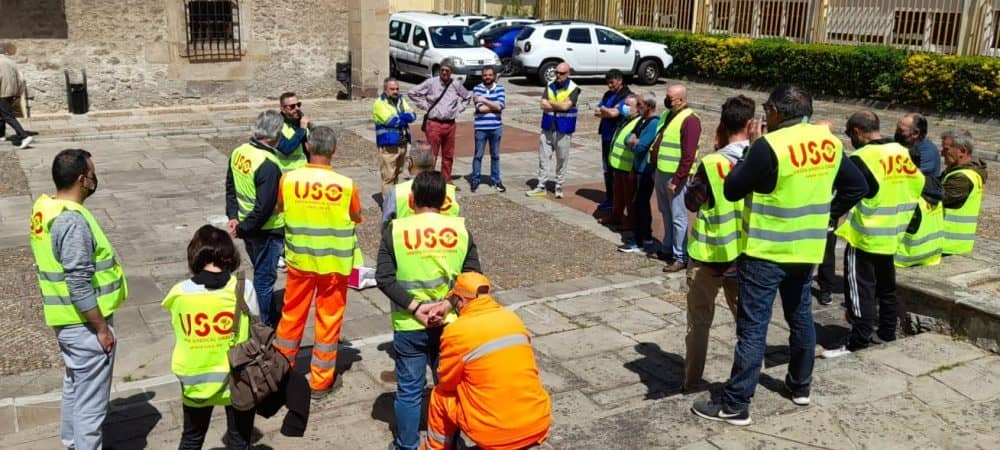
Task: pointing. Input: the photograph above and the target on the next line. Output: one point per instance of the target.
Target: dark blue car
(501, 41)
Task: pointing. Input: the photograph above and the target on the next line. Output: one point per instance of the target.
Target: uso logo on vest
(36, 223)
(242, 164)
(305, 190)
(430, 238)
(898, 165)
(813, 154)
(221, 324)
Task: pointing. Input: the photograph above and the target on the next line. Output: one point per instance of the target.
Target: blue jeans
(264, 251)
(482, 137)
(760, 280)
(415, 350)
(675, 217)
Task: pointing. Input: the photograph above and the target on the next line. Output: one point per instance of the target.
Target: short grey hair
(268, 125)
(449, 63)
(388, 80)
(322, 141)
(420, 156)
(648, 99)
(960, 138)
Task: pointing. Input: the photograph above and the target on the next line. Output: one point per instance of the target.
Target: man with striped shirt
(490, 99)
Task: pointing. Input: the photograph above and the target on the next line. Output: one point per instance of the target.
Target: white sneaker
(25, 142)
(282, 267)
(559, 193)
(835, 352)
(3, 138)
(538, 191)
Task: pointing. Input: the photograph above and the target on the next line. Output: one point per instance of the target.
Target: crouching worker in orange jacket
(489, 391)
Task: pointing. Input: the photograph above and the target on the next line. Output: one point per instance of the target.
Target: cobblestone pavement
(609, 330)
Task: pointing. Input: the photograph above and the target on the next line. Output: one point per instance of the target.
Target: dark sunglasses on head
(293, 105)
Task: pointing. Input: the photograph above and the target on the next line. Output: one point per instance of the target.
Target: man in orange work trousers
(489, 392)
(321, 209)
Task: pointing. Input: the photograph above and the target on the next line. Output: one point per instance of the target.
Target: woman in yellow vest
(202, 314)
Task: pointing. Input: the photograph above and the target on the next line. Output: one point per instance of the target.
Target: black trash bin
(76, 94)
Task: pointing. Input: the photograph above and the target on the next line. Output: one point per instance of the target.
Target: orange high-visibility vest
(486, 358)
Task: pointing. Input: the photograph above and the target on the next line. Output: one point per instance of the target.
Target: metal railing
(965, 27)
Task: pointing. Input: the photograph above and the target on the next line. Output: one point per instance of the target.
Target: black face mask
(90, 191)
(901, 138)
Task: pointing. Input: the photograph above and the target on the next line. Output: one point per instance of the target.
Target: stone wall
(133, 52)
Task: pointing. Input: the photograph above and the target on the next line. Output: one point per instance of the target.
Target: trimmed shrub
(968, 84)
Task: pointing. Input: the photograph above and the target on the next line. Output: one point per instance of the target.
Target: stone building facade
(142, 53)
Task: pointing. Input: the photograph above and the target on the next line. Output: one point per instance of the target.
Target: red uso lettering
(305, 190)
(199, 324)
(430, 238)
(812, 153)
(242, 164)
(723, 169)
(447, 203)
(36, 223)
(898, 164)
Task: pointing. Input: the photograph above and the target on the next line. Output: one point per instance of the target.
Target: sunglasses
(562, 73)
(293, 105)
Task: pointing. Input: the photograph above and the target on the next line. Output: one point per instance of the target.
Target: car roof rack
(567, 22)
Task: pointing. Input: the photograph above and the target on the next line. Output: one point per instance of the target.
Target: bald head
(562, 72)
(676, 99)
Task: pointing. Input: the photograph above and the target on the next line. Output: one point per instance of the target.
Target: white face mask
(625, 110)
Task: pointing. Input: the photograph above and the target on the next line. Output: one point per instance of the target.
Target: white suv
(589, 48)
(419, 42)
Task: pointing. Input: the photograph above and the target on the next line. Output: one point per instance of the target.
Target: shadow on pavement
(660, 371)
(130, 421)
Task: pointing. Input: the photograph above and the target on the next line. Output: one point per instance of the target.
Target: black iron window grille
(213, 30)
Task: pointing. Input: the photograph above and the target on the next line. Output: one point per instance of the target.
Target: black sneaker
(500, 187)
(717, 411)
(824, 298)
(473, 188)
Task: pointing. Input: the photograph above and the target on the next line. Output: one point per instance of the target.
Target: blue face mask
(624, 109)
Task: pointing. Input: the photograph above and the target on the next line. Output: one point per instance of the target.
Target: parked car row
(419, 42)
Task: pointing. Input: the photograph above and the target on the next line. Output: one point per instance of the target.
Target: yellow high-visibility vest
(319, 232)
(108, 280)
(430, 250)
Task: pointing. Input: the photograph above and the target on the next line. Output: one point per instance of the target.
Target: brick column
(368, 33)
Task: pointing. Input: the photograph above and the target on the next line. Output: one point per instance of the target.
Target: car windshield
(453, 36)
(497, 33)
(479, 26)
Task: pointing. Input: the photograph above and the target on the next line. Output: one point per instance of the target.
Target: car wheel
(547, 72)
(393, 70)
(506, 67)
(649, 72)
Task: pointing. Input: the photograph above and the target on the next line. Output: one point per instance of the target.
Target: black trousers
(239, 427)
(7, 117)
(641, 207)
(826, 274)
(870, 289)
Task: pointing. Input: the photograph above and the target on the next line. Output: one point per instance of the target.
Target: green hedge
(967, 84)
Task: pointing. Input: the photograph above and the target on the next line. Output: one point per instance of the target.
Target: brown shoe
(675, 266)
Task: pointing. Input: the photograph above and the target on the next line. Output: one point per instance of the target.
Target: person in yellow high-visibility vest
(321, 208)
(873, 231)
(202, 311)
(785, 239)
(291, 145)
(673, 153)
(82, 285)
(716, 235)
(251, 196)
(963, 179)
(419, 258)
(398, 200)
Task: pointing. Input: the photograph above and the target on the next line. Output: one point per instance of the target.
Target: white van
(419, 42)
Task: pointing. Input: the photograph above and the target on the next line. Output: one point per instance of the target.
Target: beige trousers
(390, 164)
(703, 283)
